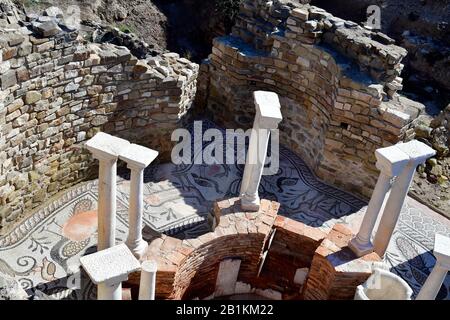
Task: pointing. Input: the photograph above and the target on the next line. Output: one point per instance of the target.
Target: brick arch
(188, 268)
(197, 274)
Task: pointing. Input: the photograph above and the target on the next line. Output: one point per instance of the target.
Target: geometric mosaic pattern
(43, 251)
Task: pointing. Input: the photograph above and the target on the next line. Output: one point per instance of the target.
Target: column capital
(442, 250)
(418, 152)
(391, 161)
(268, 109)
(106, 147)
(138, 157)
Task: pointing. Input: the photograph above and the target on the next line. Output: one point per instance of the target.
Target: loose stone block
(47, 28)
(111, 265)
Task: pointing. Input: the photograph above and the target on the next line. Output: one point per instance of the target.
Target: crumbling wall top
(260, 22)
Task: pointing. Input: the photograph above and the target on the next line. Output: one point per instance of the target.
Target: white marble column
(108, 269)
(147, 287)
(106, 148)
(109, 291)
(418, 153)
(268, 116)
(252, 156)
(137, 159)
(391, 162)
(432, 285)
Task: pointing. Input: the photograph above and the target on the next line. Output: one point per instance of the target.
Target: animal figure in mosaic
(47, 270)
(76, 233)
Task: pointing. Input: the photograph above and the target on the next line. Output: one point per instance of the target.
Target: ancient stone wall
(57, 92)
(337, 84)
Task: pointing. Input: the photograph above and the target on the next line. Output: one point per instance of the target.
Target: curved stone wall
(57, 91)
(334, 81)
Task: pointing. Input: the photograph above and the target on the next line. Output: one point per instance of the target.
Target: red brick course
(292, 248)
(188, 268)
(335, 271)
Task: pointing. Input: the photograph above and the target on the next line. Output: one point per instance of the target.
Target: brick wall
(335, 271)
(188, 268)
(292, 248)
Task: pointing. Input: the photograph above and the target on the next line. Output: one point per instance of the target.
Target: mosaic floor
(43, 251)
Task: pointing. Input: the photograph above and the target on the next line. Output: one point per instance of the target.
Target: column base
(360, 249)
(138, 249)
(107, 291)
(250, 203)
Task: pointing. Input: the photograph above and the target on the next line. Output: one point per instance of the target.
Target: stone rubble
(436, 134)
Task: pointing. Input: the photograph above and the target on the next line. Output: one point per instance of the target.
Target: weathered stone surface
(32, 97)
(10, 289)
(54, 12)
(58, 91)
(47, 28)
(8, 79)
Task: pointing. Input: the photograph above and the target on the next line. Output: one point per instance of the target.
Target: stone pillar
(106, 148)
(268, 116)
(137, 159)
(418, 152)
(227, 277)
(433, 284)
(391, 162)
(109, 291)
(147, 287)
(334, 274)
(108, 269)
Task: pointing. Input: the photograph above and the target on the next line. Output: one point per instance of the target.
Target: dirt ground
(432, 193)
(142, 17)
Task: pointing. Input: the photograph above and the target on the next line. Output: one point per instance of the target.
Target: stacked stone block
(57, 92)
(333, 81)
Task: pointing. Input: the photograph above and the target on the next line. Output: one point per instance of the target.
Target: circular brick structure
(279, 258)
